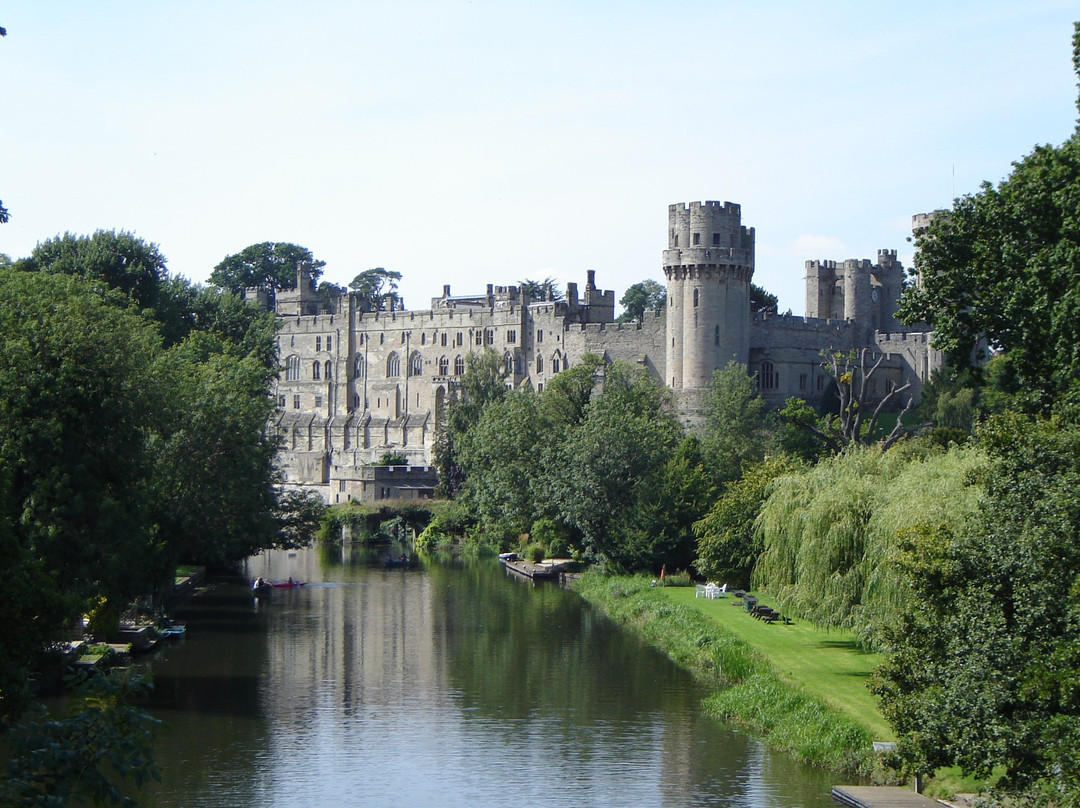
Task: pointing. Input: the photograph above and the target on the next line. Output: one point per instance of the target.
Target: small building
(372, 484)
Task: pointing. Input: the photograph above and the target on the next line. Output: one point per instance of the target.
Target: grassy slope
(826, 664)
(748, 690)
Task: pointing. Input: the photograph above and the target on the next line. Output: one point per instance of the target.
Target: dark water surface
(437, 686)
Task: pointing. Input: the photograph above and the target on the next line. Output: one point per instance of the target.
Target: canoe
(263, 590)
(288, 584)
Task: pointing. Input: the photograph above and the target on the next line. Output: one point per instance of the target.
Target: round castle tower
(708, 263)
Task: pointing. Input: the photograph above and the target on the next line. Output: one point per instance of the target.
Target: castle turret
(304, 299)
(708, 263)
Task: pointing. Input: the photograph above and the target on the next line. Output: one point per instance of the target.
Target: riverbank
(749, 690)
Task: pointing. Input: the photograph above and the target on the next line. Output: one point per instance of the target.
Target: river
(437, 685)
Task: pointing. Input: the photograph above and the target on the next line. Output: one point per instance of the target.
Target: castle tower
(708, 263)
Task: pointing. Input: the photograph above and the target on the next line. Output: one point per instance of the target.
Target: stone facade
(355, 385)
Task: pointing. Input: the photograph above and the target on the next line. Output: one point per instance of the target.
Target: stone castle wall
(355, 384)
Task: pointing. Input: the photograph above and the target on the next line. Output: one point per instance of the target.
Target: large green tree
(500, 457)
(1001, 271)
(76, 415)
(481, 385)
(377, 288)
(735, 431)
(132, 434)
(728, 540)
(120, 259)
(984, 673)
(269, 264)
(537, 291)
(606, 463)
(647, 295)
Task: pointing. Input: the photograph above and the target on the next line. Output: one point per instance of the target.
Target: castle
(357, 384)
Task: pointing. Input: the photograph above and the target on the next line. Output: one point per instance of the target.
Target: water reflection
(457, 685)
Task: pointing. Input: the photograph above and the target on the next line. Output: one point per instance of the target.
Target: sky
(468, 142)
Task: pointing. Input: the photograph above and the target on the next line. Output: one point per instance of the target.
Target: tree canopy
(984, 673)
(270, 264)
(762, 300)
(120, 259)
(376, 288)
(536, 291)
(133, 436)
(646, 295)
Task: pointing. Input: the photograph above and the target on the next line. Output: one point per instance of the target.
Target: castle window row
(695, 239)
(324, 371)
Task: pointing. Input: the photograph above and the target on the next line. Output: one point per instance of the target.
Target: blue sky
(486, 142)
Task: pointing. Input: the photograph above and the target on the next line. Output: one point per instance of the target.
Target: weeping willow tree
(832, 532)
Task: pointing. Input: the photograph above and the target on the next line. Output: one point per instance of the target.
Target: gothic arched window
(444, 366)
(416, 364)
(358, 366)
(315, 368)
(328, 370)
(459, 366)
(393, 365)
(292, 369)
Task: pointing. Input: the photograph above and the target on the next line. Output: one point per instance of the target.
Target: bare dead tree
(853, 373)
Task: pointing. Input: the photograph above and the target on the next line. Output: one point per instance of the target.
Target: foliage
(677, 498)
(32, 607)
(593, 456)
(76, 414)
(984, 673)
(132, 432)
(734, 422)
(376, 288)
(567, 395)
(555, 538)
(481, 385)
(610, 458)
(1001, 270)
(831, 532)
(539, 291)
(81, 758)
(500, 457)
(728, 543)
(449, 525)
(646, 295)
(270, 264)
(393, 459)
(120, 259)
(366, 522)
(762, 300)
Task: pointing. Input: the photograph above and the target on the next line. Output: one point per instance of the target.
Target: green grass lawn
(827, 664)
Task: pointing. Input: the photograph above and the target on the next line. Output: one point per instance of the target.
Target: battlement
(795, 322)
(730, 208)
(903, 337)
(648, 321)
